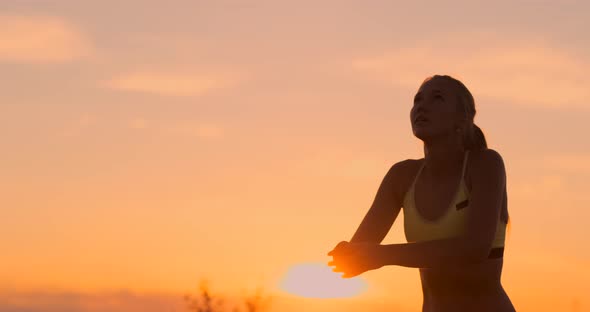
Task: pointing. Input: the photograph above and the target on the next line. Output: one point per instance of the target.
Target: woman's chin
(421, 134)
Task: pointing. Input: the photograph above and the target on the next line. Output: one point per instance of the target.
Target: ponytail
(475, 139)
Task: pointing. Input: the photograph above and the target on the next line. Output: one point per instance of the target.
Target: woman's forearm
(374, 227)
(367, 234)
(432, 254)
(383, 212)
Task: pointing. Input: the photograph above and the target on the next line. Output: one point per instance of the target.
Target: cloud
(341, 162)
(170, 84)
(204, 131)
(77, 126)
(542, 188)
(526, 71)
(138, 123)
(40, 39)
(557, 177)
(87, 302)
(576, 163)
(197, 130)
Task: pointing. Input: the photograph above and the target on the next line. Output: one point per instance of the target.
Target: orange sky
(148, 145)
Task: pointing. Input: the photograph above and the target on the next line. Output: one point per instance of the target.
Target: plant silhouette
(205, 301)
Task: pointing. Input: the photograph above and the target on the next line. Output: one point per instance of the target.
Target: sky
(149, 145)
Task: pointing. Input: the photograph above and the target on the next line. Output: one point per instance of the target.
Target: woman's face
(434, 114)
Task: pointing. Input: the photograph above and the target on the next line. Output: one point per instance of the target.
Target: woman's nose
(419, 108)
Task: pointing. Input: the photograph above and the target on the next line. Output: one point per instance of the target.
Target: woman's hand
(355, 258)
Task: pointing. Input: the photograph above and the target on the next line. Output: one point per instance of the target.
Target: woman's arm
(384, 210)
(489, 181)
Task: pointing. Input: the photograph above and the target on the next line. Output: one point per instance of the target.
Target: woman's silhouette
(455, 208)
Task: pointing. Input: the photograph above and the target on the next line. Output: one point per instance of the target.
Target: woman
(455, 208)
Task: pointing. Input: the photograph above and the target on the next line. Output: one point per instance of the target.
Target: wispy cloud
(76, 126)
(40, 39)
(138, 123)
(170, 84)
(525, 71)
(87, 302)
(196, 130)
(552, 177)
(577, 163)
(203, 131)
(542, 188)
(340, 162)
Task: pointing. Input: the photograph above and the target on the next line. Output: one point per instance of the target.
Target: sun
(316, 280)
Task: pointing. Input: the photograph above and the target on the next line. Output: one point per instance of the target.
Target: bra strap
(464, 164)
(418, 174)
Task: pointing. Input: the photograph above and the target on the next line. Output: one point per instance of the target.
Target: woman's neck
(443, 158)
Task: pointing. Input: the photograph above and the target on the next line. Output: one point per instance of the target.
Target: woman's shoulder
(403, 172)
(486, 152)
(407, 166)
(486, 158)
(481, 161)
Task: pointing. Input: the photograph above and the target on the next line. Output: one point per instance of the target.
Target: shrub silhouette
(205, 301)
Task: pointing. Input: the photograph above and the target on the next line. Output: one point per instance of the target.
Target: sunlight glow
(316, 280)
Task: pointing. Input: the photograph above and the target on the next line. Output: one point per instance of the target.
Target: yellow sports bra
(451, 224)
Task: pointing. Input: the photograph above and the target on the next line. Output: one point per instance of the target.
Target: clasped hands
(355, 258)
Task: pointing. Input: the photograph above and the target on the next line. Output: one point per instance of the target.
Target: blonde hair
(473, 138)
